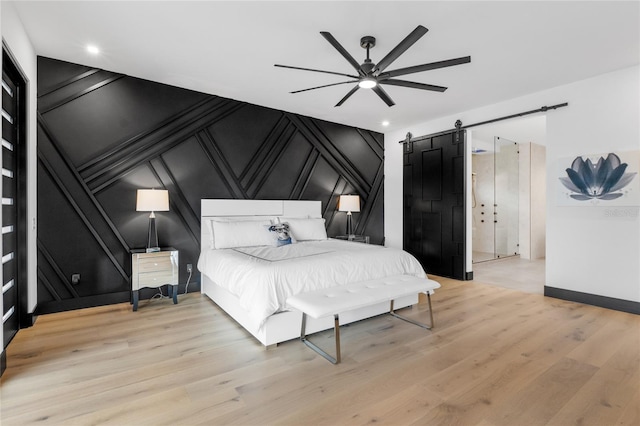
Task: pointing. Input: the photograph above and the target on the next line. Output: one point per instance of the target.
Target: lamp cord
(159, 294)
(186, 287)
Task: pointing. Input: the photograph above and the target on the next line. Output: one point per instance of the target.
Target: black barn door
(434, 203)
(13, 203)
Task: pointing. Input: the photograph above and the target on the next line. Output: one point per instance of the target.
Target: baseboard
(593, 299)
(468, 276)
(28, 319)
(83, 302)
(3, 362)
(105, 299)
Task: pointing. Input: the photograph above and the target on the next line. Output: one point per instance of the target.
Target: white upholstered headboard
(246, 208)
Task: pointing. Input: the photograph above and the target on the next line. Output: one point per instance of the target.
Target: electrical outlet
(189, 267)
(75, 279)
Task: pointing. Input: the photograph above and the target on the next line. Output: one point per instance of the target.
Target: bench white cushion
(335, 300)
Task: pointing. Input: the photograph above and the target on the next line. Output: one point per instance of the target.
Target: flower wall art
(600, 180)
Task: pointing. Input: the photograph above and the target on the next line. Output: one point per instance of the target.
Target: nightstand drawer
(154, 269)
(156, 279)
(155, 264)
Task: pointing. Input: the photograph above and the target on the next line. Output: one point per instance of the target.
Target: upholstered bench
(336, 300)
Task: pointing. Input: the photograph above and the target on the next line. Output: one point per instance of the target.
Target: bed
(252, 281)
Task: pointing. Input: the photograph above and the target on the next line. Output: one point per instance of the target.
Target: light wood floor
(512, 272)
(496, 357)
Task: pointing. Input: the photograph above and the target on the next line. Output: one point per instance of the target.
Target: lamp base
(349, 225)
(152, 238)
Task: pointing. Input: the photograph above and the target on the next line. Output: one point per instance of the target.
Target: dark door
(434, 203)
(12, 149)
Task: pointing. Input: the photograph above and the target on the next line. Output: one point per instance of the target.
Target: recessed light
(385, 123)
(93, 49)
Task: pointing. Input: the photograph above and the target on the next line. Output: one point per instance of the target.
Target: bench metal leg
(336, 360)
(419, 324)
(303, 337)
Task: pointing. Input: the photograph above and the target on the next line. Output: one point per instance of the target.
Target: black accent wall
(102, 135)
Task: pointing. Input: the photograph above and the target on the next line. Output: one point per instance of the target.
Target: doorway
(13, 197)
(495, 200)
(509, 252)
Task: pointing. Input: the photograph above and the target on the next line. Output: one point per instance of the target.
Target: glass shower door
(506, 198)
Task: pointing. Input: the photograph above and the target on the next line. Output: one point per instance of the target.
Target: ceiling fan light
(367, 83)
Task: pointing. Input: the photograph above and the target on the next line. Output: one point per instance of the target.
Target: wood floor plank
(631, 414)
(469, 403)
(615, 332)
(603, 399)
(545, 396)
(496, 357)
(409, 404)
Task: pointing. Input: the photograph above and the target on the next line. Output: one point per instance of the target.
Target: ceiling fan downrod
(367, 42)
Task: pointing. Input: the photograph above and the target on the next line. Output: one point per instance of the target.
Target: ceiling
(229, 48)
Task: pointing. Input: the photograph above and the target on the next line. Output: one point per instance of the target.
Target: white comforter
(264, 277)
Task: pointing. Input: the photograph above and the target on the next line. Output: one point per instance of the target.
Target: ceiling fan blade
(413, 85)
(383, 95)
(326, 85)
(342, 51)
(311, 69)
(348, 95)
(408, 41)
(425, 67)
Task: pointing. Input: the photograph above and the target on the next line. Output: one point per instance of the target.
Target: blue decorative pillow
(281, 233)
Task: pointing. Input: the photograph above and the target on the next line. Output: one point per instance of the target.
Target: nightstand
(154, 270)
(354, 238)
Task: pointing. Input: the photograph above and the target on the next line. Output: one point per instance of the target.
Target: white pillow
(306, 229)
(241, 234)
(209, 223)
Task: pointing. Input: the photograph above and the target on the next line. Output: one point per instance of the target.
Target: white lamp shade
(349, 203)
(152, 200)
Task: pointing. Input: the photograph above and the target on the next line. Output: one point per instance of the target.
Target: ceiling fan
(372, 76)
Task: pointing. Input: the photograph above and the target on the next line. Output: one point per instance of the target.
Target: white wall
(588, 249)
(19, 46)
(538, 202)
(533, 200)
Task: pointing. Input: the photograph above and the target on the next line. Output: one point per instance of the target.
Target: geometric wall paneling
(69, 192)
(59, 74)
(240, 144)
(72, 248)
(110, 165)
(365, 176)
(293, 162)
(102, 135)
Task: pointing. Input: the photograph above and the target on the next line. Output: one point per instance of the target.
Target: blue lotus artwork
(601, 181)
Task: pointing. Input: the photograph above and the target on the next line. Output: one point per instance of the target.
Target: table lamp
(349, 203)
(152, 200)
